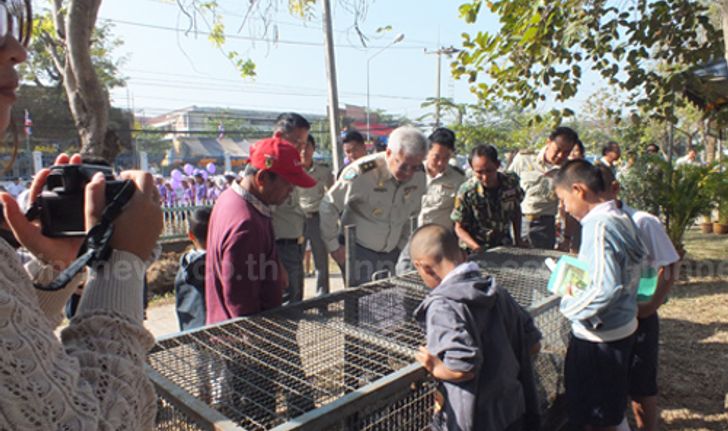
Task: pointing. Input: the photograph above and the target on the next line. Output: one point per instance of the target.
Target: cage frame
(341, 410)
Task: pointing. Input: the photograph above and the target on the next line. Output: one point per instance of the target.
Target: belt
(290, 241)
(534, 217)
(313, 214)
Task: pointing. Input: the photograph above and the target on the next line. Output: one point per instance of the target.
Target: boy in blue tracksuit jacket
(479, 341)
(604, 316)
(189, 283)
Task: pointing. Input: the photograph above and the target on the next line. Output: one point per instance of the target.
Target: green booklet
(569, 276)
(648, 284)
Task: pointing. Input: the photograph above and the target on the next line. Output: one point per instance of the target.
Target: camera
(60, 205)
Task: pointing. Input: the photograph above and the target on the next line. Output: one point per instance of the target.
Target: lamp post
(446, 51)
(397, 39)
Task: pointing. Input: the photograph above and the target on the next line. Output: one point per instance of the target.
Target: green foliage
(541, 48)
(506, 127)
(680, 194)
(43, 70)
(718, 189)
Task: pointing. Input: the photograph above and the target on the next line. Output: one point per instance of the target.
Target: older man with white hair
(378, 194)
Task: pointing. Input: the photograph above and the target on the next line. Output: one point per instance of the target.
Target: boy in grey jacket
(479, 340)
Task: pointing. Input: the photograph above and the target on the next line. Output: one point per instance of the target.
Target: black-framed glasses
(16, 20)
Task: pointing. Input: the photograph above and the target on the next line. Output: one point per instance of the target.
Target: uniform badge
(269, 161)
(349, 175)
(408, 191)
(377, 212)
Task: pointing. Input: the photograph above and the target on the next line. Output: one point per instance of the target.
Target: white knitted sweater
(91, 380)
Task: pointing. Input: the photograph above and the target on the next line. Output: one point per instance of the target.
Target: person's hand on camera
(59, 252)
(137, 228)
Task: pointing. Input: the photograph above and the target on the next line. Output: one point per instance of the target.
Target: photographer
(94, 378)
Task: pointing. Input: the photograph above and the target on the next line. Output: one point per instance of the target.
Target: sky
(167, 69)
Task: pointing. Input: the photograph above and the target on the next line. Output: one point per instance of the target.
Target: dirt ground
(160, 275)
(694, 340)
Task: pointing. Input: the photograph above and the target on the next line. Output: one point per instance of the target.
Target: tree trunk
(87, 98)
(724, 24)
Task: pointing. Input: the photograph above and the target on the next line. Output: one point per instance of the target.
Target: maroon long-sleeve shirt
(241, 267)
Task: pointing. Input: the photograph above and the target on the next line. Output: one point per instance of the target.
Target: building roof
(708, 88)
(251, 114)
(184, 148)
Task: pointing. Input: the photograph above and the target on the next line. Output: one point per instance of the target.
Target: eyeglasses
(16, 20)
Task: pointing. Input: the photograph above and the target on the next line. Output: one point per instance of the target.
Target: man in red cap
(243, 272)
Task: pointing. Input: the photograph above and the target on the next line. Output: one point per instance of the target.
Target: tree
(543, 46)
(40, 68)
(258, 20)
(68, 45)
(507, 127)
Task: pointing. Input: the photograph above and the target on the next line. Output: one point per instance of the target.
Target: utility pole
(333, 91)
(446, 51)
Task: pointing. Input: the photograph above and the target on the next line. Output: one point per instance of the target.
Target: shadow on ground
(693, 357)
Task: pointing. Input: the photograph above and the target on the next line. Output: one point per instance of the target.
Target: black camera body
(61, 203)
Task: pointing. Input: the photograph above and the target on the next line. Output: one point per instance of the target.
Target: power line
(251, 38)
(283, 91)
(317, 27)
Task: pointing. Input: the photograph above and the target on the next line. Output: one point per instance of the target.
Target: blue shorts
(597, 381)
(643, 374)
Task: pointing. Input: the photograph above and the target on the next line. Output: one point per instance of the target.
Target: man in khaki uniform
(310, 200)
(443, 180)
(288, 218)
(379, 194)
(535, 171)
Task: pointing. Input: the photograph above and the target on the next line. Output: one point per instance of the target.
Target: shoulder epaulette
(528, 152)
(367, 166)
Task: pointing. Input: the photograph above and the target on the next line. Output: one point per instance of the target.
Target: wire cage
(344, 361)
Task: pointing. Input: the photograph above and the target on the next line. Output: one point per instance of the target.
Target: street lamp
(397, 39)
(446, 51)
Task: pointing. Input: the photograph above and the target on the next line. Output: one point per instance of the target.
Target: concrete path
(162, 320)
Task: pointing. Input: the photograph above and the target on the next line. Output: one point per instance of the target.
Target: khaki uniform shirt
(487, 214)
(289, 218)
(536, 180)
(367, 195)
(439, 199)
(311, 198)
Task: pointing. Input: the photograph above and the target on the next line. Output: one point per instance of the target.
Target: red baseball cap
(281, 158)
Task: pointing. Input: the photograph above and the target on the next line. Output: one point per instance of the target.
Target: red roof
(377, 129)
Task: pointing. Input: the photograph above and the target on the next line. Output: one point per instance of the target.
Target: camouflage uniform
(488, 215)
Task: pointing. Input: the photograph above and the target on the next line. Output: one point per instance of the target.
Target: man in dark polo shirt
(244, 275)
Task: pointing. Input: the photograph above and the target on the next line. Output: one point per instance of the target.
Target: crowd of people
(257, 232)
(249, 252)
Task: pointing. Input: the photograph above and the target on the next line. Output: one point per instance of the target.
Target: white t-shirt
(685, 160)
(652, 232)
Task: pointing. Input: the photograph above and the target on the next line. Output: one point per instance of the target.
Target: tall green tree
(542, 48)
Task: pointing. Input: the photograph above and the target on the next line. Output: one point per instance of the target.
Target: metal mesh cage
(343, 361)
